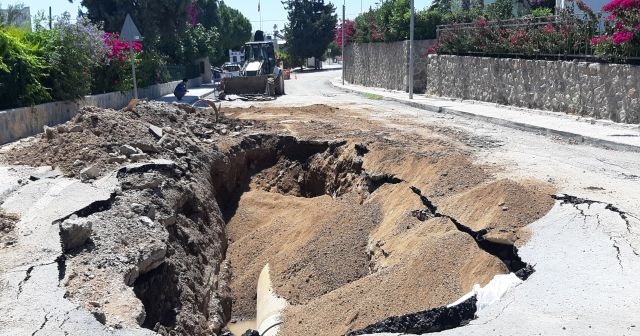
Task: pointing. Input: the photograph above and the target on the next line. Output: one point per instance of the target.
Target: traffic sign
(130, 32)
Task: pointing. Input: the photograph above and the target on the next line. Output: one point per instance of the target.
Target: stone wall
(385, 65)
(602, 91)
(22, 122)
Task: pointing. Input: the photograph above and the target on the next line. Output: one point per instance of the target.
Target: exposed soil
(358, 221)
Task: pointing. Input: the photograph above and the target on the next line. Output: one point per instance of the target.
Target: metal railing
(565, 36)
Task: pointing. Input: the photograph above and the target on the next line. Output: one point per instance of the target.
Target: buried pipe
(269, 306)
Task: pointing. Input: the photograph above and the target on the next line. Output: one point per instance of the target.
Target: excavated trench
(290, 167)
(309, 169)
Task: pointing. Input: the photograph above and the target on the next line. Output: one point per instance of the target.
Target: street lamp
(411, 51)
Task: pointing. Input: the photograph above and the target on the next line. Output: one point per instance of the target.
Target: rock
(127, 150)
(90, 173)
(62, 129)
(117, 159)
(76, 129)
(223, 131)
(139, 157)
(156, 131)
(505, 208)
(151, 258)
(74, 232)
(146, 220)
(180, 151)
(145, 147)
(251, 332)
(49, 133)
(95, 303)
(99, 315)
(78, 163)
(137, 208)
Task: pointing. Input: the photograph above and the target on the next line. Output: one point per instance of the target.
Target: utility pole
(50, 19)
(342, 28)
(411, 51)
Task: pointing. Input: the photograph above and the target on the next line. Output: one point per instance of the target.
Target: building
(236, 56)
(19, 18)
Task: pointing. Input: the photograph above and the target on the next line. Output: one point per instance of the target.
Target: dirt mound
(105, 139)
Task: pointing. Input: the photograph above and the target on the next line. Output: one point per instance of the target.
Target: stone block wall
(385, 65)
(602, 91)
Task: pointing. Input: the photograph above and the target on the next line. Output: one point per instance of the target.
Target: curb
(579, 138)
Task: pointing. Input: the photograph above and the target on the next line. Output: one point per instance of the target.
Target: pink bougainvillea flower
(549, 29)
(619, 25)
(611, 17)
(599, 39)
(482, 22)
(622, 37)
(119, 50)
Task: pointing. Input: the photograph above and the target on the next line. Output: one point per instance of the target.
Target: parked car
(230, 70)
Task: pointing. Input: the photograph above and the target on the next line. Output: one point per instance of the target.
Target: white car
(230, 70)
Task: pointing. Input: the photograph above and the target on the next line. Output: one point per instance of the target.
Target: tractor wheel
(280, 85)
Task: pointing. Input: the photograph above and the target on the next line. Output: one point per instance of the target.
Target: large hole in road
(303, 207)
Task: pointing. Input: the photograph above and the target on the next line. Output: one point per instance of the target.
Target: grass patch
(372, 96)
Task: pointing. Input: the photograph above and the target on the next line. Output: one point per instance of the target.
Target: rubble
(75, 232)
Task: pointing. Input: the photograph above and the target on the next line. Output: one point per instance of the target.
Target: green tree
(311, 28)
(22, 70)
(234, 29)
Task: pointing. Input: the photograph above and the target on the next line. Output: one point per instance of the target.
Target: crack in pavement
(28, 275)
(46, 319)
(507, 253)
(576, 201)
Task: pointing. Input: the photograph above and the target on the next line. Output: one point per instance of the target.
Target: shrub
(22, 70)
(622, 34)
(72, 51)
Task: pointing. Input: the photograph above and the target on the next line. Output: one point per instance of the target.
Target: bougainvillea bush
(566, 34)
(621, 37)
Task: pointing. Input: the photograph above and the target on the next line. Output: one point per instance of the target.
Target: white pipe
(269, 306)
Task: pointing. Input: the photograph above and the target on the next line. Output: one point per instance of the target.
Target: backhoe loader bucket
(249, 85)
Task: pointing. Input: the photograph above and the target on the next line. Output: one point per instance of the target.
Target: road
(586, 251)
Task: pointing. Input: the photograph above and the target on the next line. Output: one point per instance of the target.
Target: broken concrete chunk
(44, 173)
(127, 150)
(151, 258)
(137, 208)
(156, 131)
(180, 151)
(117, 159)
(49, 133)
(76, 129)
(139, 157)
(74, 232)
(145, 147)
(90, 173)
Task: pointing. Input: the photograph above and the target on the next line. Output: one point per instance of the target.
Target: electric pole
(411, 51)
(342, 28)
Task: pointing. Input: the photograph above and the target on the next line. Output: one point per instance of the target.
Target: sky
(272, 10)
